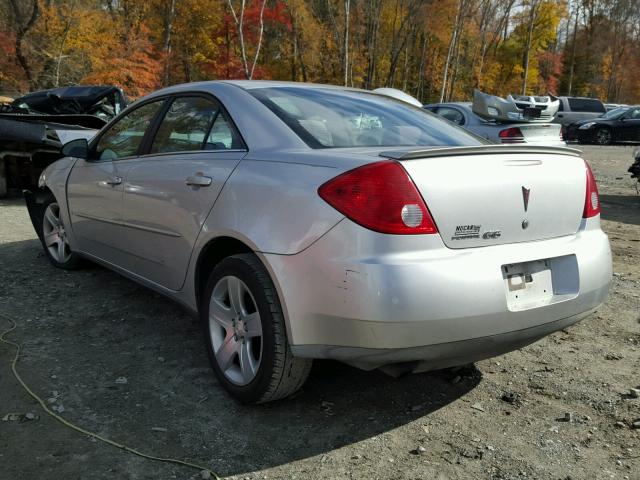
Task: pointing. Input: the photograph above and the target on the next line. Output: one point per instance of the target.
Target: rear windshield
(586, 105)
(331, 118)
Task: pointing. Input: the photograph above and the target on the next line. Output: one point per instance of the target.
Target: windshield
(331, 118)
(615, 113)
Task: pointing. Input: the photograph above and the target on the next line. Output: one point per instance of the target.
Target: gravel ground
(119, 360)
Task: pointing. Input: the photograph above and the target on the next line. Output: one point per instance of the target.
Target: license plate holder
(532, 112)
(528, 284)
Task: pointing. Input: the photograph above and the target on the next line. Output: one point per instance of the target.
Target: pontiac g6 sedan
(306, 221)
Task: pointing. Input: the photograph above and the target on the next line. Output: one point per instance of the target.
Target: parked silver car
(461, 113)
(306, 221)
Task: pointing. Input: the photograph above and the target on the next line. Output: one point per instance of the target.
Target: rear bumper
(441, 355)
(367, 298)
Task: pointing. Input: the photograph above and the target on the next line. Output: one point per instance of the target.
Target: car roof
(253, 84)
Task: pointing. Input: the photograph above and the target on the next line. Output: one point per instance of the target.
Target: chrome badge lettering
(466, 232)
(492, 234)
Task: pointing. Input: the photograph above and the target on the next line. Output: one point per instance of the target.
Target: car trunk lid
(540, 132)
(491, 195)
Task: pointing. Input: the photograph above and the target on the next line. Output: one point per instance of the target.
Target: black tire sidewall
(604, 129)
(238, 267)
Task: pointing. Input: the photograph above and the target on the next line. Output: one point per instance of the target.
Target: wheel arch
(210, 255)
(220, 247)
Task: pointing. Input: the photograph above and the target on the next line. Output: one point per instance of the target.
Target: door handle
(198, 180)
(114, 181)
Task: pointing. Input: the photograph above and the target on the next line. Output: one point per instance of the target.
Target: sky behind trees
(432, 49)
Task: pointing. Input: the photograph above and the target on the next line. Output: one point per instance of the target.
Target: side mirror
(78, 148)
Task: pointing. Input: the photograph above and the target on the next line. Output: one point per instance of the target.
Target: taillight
(380, 196)
(511, 135)
(561, 137)
(592, 197)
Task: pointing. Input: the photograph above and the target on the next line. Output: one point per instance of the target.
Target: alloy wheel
(236, 330)
(603, 136)
(54, 234)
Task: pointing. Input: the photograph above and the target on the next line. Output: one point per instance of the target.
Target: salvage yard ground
(119, 360)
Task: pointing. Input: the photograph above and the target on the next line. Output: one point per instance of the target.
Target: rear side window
(586, 105)
(223, 135)
(451, 114)
(125, 136)
(185, 125)
(333, 118)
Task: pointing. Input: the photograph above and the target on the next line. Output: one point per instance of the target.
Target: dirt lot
(82, 331)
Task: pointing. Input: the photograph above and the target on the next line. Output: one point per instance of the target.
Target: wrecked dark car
(34, 127)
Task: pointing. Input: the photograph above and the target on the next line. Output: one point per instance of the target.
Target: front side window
(185, 125)
(331, 118)
(633, 114)
(124, 137)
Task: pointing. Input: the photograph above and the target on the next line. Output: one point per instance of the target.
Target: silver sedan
(533, 133)
(306, 221)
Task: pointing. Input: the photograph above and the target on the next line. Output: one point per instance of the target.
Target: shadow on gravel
(83, 330)
(621, 208)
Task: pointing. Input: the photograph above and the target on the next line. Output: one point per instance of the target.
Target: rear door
(583, 108)
(170, 190)
(95, 186)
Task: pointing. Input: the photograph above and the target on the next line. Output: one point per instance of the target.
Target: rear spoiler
(521, 108)
(476, 150)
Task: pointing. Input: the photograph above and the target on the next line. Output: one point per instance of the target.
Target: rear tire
(245, 333)
(53, 235)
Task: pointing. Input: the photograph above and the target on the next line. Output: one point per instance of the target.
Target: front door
(95, 186)
(629, 126)
(170, 190)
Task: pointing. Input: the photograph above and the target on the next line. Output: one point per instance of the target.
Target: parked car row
(621, 124)
(497, 132)
(573, 119)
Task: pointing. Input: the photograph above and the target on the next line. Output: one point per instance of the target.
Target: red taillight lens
(380, 196)
(511, 135)
(592, 197)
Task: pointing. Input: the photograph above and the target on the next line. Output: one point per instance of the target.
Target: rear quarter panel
(273, 207)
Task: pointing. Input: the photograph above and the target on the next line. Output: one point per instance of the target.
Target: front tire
(604, 136)
(245, 333)
(53, 235)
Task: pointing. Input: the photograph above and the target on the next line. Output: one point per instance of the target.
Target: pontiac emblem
(525, 197)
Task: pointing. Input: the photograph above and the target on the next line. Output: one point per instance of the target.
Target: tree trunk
(239, 21)
(532, 21)
(21, 30)
(573, 51)
(166, 40)
(347, 5)
(373, 24)
(447, 63)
